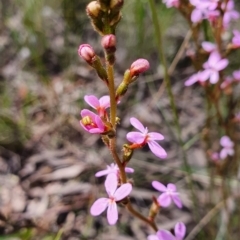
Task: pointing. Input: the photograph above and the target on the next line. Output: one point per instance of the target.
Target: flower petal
(92, 101)
(155, 136)
(164, 200)
(180, 230)
(159, 186)
(99, 206)
(102, 173)
(223, 153)
(129, 170)
(172, 187)
(112, 213)
(221, 64)
(135, 137)
(157, 149)
(214, 77)
(165, 235)
(104, 101)
(176, 199)
(137, 124)
(111, 184)
(153, 237)
(123, 191)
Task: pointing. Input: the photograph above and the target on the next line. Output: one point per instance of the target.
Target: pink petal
(196, 15)
(225, 141)
(164, 200)
(157, 149)
(213, 59)
(86, 112)
(176, 199)
(111, 183)
(230, 151)
(223, 153)
(102, 173)
(208, 46)
(155, 136)
(214, 77)
(152, 237)
(180, 230)
(104, 102)
(135, 137)
(112, 213)
(129, 170)
(137, 124)
(159, 186)
(171, 187)
(165, 235)
(99, 206)
(123, 191)
(204, 75)
(222, 64)
(193, 79)
(92, 101)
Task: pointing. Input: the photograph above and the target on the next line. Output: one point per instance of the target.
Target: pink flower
(236, 39)
(179, 230)
(230, 13)
(169, 193)
(114, 195)
(212, 67)
(100, 104)
(139, 66)
(227, 145)
(139, 139)
(86, 52)
(171, 3)
(91, 122)
(112, 168)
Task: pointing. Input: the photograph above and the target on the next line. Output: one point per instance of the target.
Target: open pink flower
(91, 122)
(114, 195)
(230, 13)
(139, 139)
(212, 67)
(112, 168)
(100, 104)
(227, 149)
(169, 193)
(179, 230)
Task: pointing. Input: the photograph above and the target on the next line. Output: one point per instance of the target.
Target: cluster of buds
(104, 15)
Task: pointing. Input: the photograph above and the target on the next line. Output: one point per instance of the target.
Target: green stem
(171, 98)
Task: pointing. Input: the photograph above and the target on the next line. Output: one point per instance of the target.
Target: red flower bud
(139, 66)
(86, 52)
(109, 41)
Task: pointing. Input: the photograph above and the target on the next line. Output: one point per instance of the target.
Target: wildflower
(139, 139)
(212, 67)
(86, 52)
(227, 145)
(139, 66)
(236, 39)
(179, 231)
(236, 76)
(100, 104)
(112, 168)
(169, 193)
(91, 122)
(229, 13)
(114, 195)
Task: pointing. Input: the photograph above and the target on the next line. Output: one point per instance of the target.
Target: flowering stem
(111, 87)
(140, 216)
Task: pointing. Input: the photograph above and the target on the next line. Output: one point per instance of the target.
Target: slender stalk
(171, 97)
(140, 216)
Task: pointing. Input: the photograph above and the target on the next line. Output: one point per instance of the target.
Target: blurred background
(47, 162)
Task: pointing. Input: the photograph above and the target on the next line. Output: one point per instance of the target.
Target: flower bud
(86, 52)
(139, 66)
(109, 42)
(93, 9)
(116, 4)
